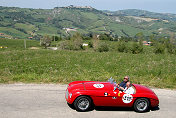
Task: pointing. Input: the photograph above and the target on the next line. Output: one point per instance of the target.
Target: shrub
(159, 48)
(75, 43)
(170, 45)
(103, 47)
(122, 47)
(45, 41)
(90, 44)
(171, 49)
(65, 45)
(71, 45)
(136, 48)
(105, 37)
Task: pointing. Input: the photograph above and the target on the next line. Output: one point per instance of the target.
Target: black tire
(141, 105)
(71, 106)
(82, 103)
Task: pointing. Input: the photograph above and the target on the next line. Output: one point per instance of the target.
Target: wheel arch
(92, 102)
(89, 108)
(143, 97)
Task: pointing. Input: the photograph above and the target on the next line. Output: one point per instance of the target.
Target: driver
(122, 85)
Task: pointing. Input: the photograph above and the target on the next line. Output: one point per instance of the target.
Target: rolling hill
(25, 22)
(144, 13)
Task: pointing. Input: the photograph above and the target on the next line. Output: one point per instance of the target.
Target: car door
(103, 98)
(120, 98)
(116, 98)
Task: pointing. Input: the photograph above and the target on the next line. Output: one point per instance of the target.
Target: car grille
(67, 93)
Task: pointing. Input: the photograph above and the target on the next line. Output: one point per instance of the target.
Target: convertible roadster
(83, 95)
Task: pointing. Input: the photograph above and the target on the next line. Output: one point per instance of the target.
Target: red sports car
(83, 95)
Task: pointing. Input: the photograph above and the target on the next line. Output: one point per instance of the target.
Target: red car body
(103, 94)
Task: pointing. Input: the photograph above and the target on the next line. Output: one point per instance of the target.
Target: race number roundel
(127, 98)
(98, 85)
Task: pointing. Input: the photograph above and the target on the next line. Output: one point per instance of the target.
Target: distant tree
(86, 37)
(137, 48)
(103, 47)
(105, 37)
(45, 41)
(173, 28)
(90, 34)
(126, 39)
(60, 38)
(37, 37)
(41, 20)
(139, 36)
(122, 46)
(21, 30)
(171, 48)
(172, 38)
(90, 44)
(171, 44)
(73, 43)
(77, 41)
(153, 39)
(1, 18)
(159, 48)
(56, 38)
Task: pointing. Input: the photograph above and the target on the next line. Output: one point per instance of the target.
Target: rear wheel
(82, 103)
(141, 105)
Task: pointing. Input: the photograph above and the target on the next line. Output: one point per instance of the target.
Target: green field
(14, 44)
(47, 66)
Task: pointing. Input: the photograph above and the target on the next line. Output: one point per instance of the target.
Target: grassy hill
(23, 23)
(144, 13)
(61, 66)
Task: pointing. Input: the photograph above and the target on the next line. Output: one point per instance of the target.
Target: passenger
(122, 85)
(129, 89)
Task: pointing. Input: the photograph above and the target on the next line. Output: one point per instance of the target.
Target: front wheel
(82, 103)
(141, 105)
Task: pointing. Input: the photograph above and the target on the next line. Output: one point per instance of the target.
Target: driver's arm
(121, 88)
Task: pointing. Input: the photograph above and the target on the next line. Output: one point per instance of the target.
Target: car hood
(91, 85)
(98, 86)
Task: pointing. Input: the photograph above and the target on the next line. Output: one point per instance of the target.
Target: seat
(134, 89)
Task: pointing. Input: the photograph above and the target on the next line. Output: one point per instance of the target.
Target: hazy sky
(164, 6)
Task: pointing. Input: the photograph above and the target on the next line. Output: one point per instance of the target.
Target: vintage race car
(84, 95)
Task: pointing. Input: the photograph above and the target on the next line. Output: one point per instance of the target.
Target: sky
(161, 6)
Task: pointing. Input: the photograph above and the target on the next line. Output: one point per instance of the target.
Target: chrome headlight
(67, 93)
(70, 95)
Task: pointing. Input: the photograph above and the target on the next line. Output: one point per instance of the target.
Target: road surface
(48, 101)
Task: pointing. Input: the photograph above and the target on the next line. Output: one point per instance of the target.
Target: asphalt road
(48, 101)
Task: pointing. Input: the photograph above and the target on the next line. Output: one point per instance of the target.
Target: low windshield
(111, 80)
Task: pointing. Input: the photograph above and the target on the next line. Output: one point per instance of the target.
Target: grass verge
(47, 66)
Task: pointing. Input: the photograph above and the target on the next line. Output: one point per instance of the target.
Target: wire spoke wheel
(82, 103)
(141, 105)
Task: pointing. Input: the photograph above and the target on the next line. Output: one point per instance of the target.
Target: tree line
(100, 43)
